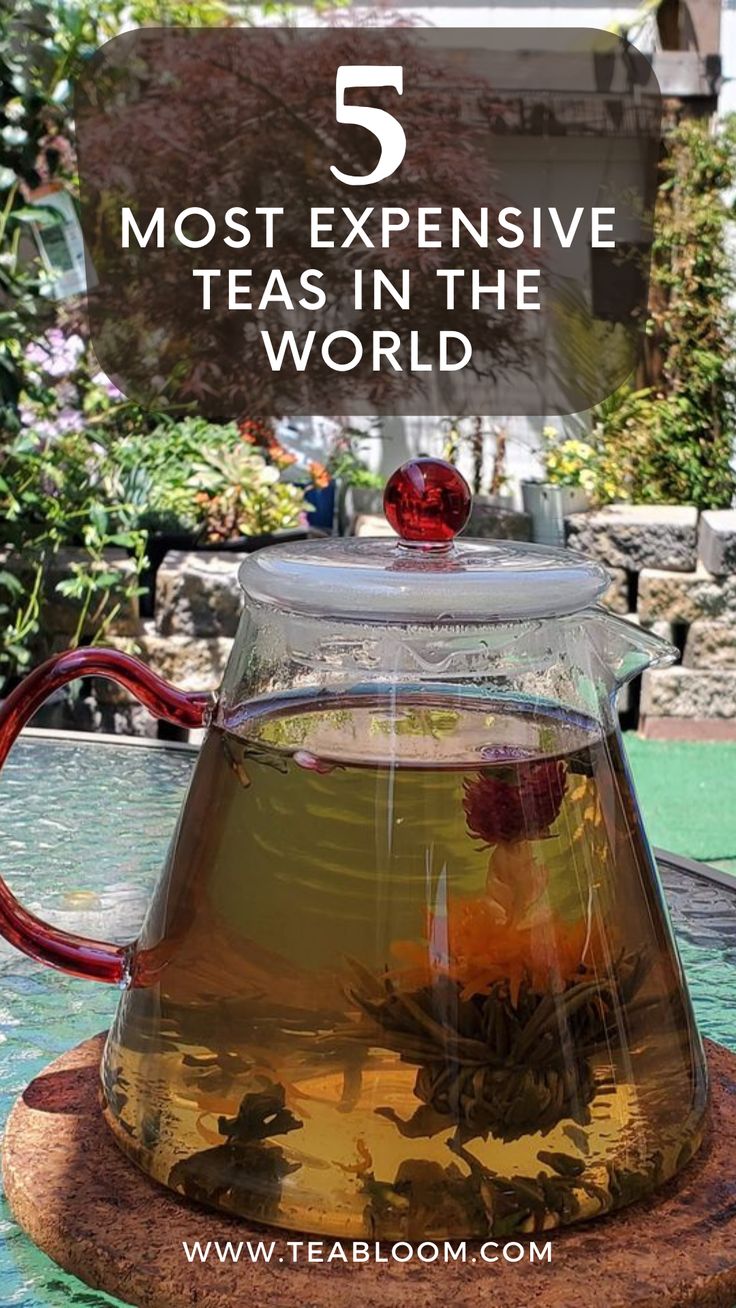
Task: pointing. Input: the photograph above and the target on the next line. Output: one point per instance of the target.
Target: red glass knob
(427, 500)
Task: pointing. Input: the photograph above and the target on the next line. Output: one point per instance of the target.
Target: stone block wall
(670, 572)
(679, 576)
(634, 536)
(197, 608)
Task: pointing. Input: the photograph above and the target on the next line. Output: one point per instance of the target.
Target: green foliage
(591, 463)
(99, 488)
(200, 477)
(154, 470)
(673, 439)
(55, 494)
(44, 44)
(345, 460)
(23, 314)
(19, 615)
(620, 424)
(571, 461)
(61, 423)
(239, 494)
(96, 489)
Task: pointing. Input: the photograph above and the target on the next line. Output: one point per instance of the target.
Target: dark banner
(403, 221)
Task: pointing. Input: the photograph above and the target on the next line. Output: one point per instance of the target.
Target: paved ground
(687, 793)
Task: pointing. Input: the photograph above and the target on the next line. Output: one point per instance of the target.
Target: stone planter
(162, 543)
(548, 506)
(357, 502)
(492, 518)
(197, 594)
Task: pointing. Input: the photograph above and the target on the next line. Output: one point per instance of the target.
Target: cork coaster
(91, 1210)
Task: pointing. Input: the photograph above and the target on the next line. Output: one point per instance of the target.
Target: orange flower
(279, 454)
(482, 951)
(260, 433)
(256, 431)
(547, 953)
(508, 934)
(319, 474)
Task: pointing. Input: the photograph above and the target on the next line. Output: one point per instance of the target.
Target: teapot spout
(627, 649)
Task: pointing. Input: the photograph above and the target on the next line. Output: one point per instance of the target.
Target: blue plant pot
(322, 513)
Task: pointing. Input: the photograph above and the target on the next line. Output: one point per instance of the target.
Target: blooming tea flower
(521, 804)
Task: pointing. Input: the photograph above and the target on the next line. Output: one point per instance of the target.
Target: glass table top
(84, 826)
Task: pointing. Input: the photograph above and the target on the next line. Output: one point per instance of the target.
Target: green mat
(687, 793)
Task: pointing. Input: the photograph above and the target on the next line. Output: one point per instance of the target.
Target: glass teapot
(407, 972)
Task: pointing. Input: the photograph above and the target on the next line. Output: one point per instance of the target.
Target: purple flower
(56, 354)
(64, 422)
(102, 380)
(68, 420)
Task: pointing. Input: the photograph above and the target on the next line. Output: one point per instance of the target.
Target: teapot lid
(426, 574)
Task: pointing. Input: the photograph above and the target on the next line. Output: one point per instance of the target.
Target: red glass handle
(96, 960)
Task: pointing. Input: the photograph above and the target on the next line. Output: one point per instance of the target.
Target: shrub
(673, 437)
